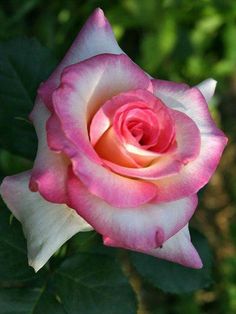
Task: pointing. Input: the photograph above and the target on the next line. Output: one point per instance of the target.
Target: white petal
(47, 226)
(179, 249)
(207, 88)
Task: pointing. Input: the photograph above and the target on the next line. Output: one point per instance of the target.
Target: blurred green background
(176, 40)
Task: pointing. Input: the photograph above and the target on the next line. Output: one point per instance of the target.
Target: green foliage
(13, 259)
(94, 284)
(24, 64)
(24, 300)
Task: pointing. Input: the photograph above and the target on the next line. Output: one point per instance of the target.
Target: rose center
(137, 126)
(132, 129)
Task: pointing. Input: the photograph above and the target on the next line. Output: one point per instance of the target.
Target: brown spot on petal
(159, 238)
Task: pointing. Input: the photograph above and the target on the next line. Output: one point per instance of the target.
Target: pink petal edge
(96, 37)
(143, 228)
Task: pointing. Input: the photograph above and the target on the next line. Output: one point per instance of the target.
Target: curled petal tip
(34, 265)
(207, 88)
(99, 18)
(99, 11)
(195, 261)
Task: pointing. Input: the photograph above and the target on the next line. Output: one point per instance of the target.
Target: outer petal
(143, 228)
(96, 37)
(187, 137)
(49, 173)
(197, 172)
(177, 249)
(170, 87)
(117, 190)
(207, 88)
(46, 226)
(189, 101)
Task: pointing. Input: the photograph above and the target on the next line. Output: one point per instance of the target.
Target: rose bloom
(118, 152)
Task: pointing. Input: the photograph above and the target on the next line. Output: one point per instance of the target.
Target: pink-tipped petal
(188, 140)
(190, 101)
(46, 226)
(96, 37)
(198, 172)
(144, 227)
(169, 86)
(207, 88)
(49, 173)
(178, 249)
(116, 190)
(161, 167)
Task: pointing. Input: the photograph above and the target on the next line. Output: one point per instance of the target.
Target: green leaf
(94, 284)
(29, 301)
(13, 256)
(18, 300)
(171, 277)
(48, 303)
(24, 64)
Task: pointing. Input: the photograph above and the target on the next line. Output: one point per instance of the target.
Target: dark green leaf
(29, 301)
(13, 256)
(48, 303)
(172, 277)
(18, 300)
(94, 284)
(24, 63)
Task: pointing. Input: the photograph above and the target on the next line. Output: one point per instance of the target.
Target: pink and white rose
(118, 151)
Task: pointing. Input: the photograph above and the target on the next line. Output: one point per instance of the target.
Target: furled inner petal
(140, 137)
(110, 148)
(141, 124)
(137, 126)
